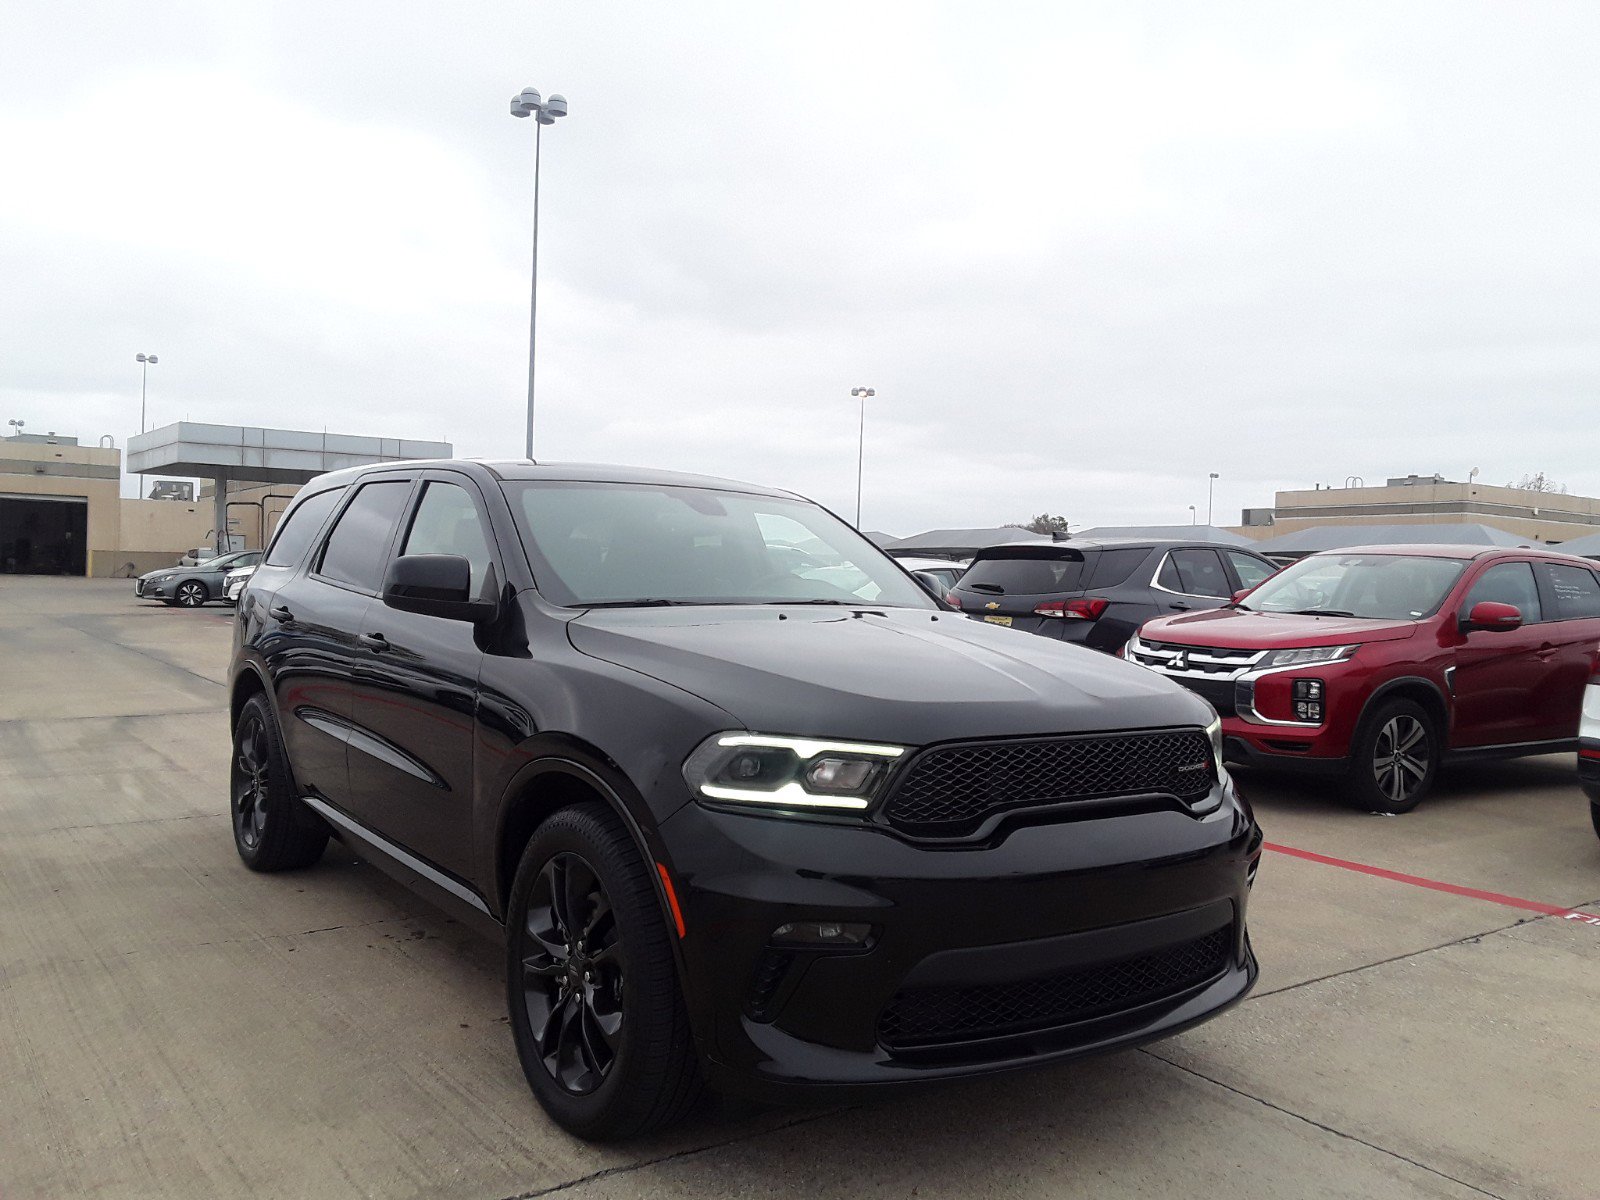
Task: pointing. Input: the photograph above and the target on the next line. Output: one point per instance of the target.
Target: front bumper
(1589, 768)
(981, 959)
(152, 591)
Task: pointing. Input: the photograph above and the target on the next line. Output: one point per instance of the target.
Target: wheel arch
(1418, 690)
(568, 771)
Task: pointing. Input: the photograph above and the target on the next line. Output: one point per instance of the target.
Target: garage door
(43, 535)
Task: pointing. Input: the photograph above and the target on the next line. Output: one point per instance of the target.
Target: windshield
(1390, 587)
(630, 544)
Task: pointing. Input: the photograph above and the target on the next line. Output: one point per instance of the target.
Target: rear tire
(1394, 759)
(591, 983)
(272, 830)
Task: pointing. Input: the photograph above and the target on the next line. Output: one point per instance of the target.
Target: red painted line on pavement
(1551, 910)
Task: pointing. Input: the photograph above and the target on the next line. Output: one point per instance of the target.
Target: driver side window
(1507, 583)
(448, 522)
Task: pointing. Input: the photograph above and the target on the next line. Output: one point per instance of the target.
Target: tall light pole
(528, 103)
(145, 361)
(1211, 484)
(861, 443)
(1192, 518)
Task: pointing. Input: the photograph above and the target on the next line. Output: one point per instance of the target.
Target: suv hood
(1230, 627)
(892, 675)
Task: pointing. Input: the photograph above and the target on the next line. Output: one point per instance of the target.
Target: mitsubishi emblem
(1180, 661)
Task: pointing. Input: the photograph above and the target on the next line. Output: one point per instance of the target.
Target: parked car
(196, 555)
(736, 824)
(1098, 593)
(1380, 663)
(938, 575)
(233, 582)
(1589, 748)
(192, 586)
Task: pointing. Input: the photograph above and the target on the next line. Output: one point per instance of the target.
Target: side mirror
(435, 585)
(1495, 617)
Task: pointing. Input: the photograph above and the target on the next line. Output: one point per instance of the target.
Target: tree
(1539, 483)
(1044, 523)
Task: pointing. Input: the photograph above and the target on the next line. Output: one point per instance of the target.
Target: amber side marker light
(672, 897)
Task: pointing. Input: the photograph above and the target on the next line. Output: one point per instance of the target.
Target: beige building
(61, 513)
(1428, 499)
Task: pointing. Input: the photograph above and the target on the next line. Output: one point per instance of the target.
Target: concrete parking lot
(171, 1024)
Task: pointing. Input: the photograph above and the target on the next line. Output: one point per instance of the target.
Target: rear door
(318, 617)
(1570, 595)
(1498, 675)
(1192, 578)
(416, 690)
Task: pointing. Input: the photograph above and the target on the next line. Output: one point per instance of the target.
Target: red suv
(1378, 663)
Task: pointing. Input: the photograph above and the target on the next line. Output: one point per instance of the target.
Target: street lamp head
(556, 106)
(863, 391)
(1214, 475)
(140, 358)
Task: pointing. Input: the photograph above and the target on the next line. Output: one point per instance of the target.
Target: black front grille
(925, 1016)
(1218, 691)
(949, 791)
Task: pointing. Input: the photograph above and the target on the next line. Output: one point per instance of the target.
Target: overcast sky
(1085, 253)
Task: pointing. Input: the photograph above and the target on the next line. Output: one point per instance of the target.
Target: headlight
(1311, 654)
(788, 772)
(1214, 732)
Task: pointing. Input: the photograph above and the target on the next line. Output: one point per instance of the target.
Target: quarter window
(1507, 583)
(1576, 592)
(448, 522)
(299, 527)
(357, 548)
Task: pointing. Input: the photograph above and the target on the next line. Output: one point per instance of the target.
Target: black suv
(739, 819)
(1098, 593)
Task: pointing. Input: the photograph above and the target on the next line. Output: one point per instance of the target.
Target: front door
(1498, 675)
(416, 689)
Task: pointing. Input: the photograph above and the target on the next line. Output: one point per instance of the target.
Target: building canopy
(1338, 537)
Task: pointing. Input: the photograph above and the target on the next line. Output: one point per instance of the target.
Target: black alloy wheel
(572, 974)
(191, 593)
(592, 981)
(272, 829)
(1395, 758)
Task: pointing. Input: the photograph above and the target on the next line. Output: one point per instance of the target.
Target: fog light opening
(822, 933)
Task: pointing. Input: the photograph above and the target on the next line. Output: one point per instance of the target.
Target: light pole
(528, 103)
(1211, 484)
(145, 361)
(861, 443)
(16, 427)
(1192, 517)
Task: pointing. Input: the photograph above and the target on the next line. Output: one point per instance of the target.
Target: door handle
(1548, 651)
(374, 641)
(280, 613)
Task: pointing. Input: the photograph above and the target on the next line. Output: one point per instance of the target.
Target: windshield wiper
(649, 602)
(1320, 612)
(991, 589)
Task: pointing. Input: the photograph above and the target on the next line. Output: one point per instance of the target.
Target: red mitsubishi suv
(1378, 663)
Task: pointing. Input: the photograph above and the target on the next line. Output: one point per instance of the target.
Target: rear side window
(357, 549)
(299, 527)
(1112, 567)
(1026, 576)
(1576, 591)
(1250, 569)
(1195, 573)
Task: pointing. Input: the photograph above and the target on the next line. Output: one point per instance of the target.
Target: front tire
(1594, 816)
(596, 1012)
(191, 593)
(1395, 758)
(272, 830)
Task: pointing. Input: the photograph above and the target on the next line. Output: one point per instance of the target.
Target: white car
(233, 583)
(942, 572)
